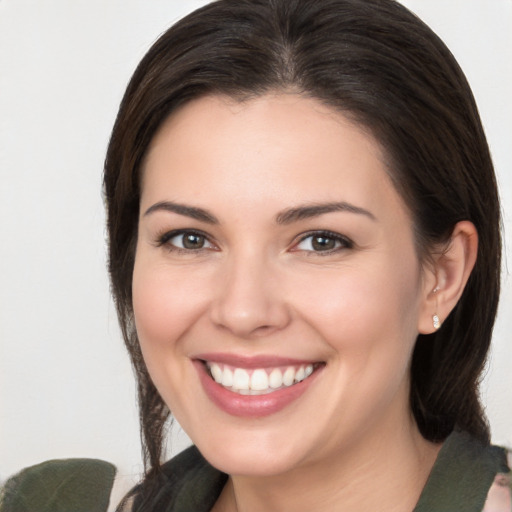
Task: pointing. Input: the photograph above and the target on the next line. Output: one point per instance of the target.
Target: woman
(305, 251)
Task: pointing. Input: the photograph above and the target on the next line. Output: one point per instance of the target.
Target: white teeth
(289, 376)
(258, 381)
(300, 375)
(227, 378)
(241, 379)
(216, 372)
(275, 378)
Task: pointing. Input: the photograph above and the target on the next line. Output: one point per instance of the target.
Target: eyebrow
(288, 216)
(181, 209)
(314, 210)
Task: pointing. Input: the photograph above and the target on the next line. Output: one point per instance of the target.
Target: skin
(257, 287)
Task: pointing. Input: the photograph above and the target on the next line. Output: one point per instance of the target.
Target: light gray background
(66, 387)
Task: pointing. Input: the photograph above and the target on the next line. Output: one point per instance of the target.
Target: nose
(250, 301)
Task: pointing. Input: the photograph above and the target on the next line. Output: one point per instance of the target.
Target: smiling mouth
(259, 381)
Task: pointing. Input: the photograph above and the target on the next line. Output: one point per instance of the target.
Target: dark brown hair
(378, 64)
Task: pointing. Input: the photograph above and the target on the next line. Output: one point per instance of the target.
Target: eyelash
(341, 241)
(165, 238)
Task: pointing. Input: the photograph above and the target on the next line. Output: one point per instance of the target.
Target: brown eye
(185, 241)
(192, 241)
(323, 242)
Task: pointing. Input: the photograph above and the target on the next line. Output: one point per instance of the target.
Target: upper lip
(259, 361)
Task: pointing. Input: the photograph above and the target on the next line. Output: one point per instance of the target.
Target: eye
(323, 241)
(185, 241)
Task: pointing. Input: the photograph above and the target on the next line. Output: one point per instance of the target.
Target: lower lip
(251, 406)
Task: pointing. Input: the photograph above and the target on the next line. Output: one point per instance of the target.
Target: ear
(446, 279)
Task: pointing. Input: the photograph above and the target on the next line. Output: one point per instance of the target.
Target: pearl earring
(436, 322)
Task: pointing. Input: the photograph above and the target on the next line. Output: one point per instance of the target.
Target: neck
(384, 470)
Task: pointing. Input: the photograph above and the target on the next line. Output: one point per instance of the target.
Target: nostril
(264, 329)
(238, 330)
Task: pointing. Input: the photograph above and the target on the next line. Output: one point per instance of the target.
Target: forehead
(280, 148)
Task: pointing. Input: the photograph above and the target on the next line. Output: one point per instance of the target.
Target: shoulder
(465, 477)
(63, 484)
(499, 498)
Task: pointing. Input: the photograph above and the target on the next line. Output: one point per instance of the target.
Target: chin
(253, 463)
(251, 453)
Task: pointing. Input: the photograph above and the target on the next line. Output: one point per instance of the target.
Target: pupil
(192, 241)
(322, 243)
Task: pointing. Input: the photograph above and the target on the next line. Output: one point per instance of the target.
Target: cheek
(166, 304)
(369, 314)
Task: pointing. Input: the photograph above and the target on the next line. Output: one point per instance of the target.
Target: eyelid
(346, 243)
(162, 239)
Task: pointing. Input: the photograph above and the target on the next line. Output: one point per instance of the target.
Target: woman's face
(274, 254)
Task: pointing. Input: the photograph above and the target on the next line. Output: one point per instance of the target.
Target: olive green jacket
(468, 476)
